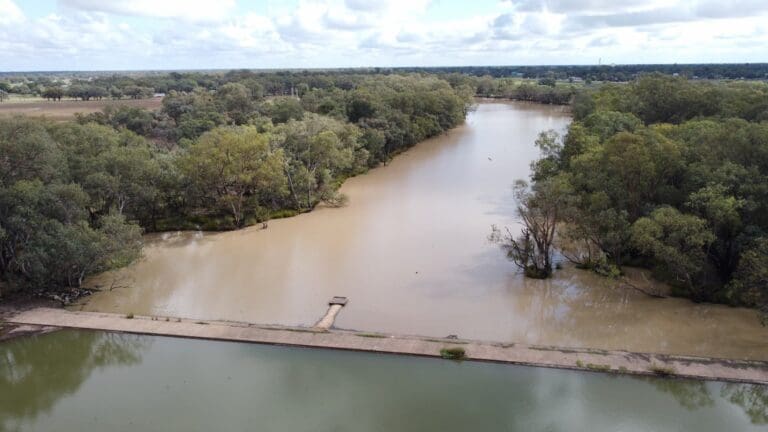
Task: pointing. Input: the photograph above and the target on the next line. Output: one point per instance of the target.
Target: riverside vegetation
(76, 196)
(663, 173)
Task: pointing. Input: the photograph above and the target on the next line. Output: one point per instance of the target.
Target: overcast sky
(199, 34)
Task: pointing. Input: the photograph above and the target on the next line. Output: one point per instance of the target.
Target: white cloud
(9, 12)
(584, 6)
(193, 10)
(668, 12)
(343, 19)
(141, 34)
(365, 5)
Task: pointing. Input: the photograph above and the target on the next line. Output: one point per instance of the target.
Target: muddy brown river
(410, 251)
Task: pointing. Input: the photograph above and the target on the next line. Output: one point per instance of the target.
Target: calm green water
(87, 381)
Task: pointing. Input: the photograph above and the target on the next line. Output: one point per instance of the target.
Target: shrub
(661, 369)
(453, 353)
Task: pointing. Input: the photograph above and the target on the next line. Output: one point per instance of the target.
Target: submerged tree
(540, 209)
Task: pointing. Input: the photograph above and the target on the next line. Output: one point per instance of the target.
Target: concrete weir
(319, 337)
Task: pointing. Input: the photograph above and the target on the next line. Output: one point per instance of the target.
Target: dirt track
(66, 109)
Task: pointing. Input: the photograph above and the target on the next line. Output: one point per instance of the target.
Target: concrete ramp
(334, 307)
(555, 357)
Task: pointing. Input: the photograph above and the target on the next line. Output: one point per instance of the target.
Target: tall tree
(232, 167)
(678, 242)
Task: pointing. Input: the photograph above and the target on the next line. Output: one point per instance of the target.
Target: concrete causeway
(312, 337)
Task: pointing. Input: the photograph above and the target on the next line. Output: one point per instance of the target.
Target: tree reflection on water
(693, 395)
(36, 371)
(753, 399)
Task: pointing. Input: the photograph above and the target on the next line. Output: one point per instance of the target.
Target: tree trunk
(292, 188)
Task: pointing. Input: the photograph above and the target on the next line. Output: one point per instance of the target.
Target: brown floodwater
(410, 251)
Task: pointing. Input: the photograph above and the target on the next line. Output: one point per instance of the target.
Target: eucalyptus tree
(231, 168)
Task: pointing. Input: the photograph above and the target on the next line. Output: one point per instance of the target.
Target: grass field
(66, 109)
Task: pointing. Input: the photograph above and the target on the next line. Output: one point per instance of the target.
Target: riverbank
(620, 362)
(499, 98)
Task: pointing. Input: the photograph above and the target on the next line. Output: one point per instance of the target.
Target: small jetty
(334, 306)
(323, 335)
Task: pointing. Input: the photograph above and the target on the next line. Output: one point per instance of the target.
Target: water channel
(410, 251)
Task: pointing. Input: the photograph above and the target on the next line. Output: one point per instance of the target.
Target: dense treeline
(146, 84)
(665, 173)
(494, 81)
(138, 85)
(615, 73)
(75, 196)
(56, 186)
(542, 84)
(281, 82)
(544, 90)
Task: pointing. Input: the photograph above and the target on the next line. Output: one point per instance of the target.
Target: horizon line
(278, 69)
